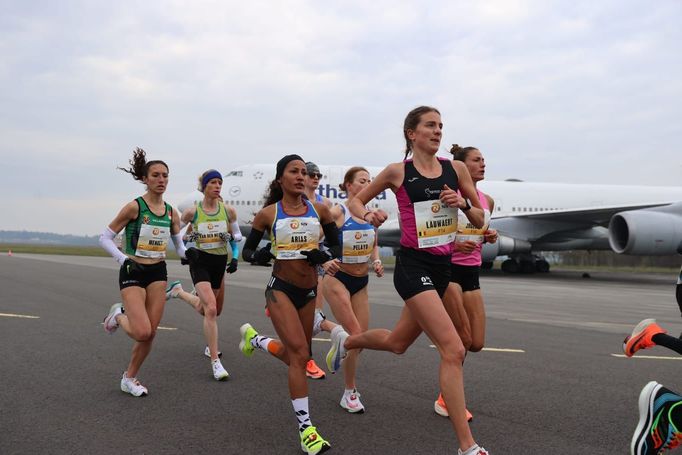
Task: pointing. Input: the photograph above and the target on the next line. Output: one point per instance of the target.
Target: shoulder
(491, 201)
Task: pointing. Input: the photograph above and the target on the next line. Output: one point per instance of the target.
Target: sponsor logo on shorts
(426, 281)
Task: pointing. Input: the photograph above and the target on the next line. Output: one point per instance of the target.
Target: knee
(453, 353)
(298, 356)
(398, 347)
(468, 342)
(144, 334)
(210, 312)
(476, 346)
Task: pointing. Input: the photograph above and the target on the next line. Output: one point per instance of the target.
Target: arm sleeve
(251, 244)
(179, 245)
(235, 248)
(331, 235)
(106, 241)
(236, 233)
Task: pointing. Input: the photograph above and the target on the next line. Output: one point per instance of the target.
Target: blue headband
(213, 174)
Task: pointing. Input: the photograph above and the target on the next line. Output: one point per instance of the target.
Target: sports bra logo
(412, 179)
(294, 224)
(429, 192)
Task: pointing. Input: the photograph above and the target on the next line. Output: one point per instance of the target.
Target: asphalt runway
(551, 381)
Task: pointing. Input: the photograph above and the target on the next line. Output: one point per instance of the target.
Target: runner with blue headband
(213, 226)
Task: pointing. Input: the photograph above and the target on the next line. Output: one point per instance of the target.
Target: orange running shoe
(313, 371)
(641, 337)
(442, 410)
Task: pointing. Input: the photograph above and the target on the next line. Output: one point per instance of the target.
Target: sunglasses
(315, 175)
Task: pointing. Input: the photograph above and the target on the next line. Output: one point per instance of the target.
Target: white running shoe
(132, 386)
(336, 352)
(207, 353)
(219, 373)
(473, 450)
(110, 322)
(317, 322)
(173, 289)
(350, 401)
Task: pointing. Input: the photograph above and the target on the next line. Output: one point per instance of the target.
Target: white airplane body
(530, 217)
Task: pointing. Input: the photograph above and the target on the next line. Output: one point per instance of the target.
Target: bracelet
(376, 261)
(467, 206)
(366, 213)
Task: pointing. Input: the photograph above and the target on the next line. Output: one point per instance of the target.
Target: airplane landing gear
(525, 264)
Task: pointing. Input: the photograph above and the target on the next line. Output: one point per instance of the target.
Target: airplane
(529, 217)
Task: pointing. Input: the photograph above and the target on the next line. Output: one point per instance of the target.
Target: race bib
(152, 241)
(294, 235)
(436, 223)
(357, 246)
(209, 235)
(467, 231)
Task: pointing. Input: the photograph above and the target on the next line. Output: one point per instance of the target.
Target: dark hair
(139, 166)
(411, 121)
(273, 194)
(461, 153)
(350, 176)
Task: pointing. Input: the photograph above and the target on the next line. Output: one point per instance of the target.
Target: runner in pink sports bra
(463, 299)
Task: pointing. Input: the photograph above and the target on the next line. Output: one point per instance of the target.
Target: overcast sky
(554, 91)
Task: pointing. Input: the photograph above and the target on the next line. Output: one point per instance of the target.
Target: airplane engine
(647, 232)
(504, 246)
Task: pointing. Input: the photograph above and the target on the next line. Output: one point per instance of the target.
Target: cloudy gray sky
(555, 91)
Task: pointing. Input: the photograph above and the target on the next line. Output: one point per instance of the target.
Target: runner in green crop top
(150, 223)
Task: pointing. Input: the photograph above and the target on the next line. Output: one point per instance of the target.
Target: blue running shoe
(656, 432)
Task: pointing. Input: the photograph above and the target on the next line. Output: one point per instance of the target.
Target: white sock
(470, 451)
(261, 342)
(301, 410)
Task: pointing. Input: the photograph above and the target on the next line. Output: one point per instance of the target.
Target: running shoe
(336, 352)
(173, 289)
(442, 410)
(132, 386)
(350, 401)
(110, 322)
(317, 322)
(313, 371)
(219, 373)
(641, 337)
(247, 332)
(655, 430)
(207, 353)
(474, 450)
(312, 442)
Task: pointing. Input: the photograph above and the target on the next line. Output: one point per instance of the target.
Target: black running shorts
(466, 276)
(351, 282)
(208, 267)
(299, 297)
(141, 275)
(418, 271)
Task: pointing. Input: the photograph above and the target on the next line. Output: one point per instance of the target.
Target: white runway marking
(158, 328)
(649, 357)
(493, 349)
(24, 316)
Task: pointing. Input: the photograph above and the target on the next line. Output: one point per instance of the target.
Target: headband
(281, 164)
(210, 175)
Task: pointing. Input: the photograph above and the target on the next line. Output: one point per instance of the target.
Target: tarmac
(551, 380)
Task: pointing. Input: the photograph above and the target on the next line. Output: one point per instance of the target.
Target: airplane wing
(596, 216)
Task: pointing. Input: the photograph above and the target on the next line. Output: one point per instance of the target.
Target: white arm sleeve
(179, 245)
(106, 240)
(236, 233)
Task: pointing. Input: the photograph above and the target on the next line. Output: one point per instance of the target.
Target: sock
(470, 451)
(268, 345)
(668, 341)
(301, 410)
(349, 391)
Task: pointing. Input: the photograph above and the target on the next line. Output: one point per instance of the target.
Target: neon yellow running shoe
(312, 442)
(247, 332)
